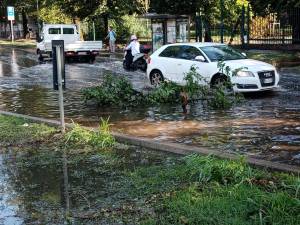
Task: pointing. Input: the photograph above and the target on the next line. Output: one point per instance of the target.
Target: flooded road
(266, 125)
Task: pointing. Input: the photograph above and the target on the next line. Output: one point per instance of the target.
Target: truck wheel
(41, 58)
(92, 59)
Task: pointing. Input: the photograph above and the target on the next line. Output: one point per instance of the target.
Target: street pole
(60, 88)
(94, 30)
(38, 15)
(12, 31)
(222, 20)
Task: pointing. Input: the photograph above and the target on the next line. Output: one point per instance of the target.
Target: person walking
(111, 36)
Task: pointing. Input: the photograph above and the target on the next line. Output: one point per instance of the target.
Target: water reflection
(44, 186)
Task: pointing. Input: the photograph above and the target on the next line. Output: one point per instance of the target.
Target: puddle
(34, 183)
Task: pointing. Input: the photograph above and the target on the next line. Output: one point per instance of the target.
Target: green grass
(205, 190)
(23, 43)
(274, 56)
(17, 131)
(226, 205)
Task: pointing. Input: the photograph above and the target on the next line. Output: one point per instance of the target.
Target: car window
(170, 52)
(68, 31)
(54, 31)
(188, 52)
(222, 53)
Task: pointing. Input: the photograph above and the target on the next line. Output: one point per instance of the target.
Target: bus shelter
(167, 29)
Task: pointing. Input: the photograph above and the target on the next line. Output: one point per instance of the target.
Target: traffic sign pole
(12, 31)
(11, 17)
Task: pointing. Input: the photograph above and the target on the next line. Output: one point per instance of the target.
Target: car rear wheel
(156, 78)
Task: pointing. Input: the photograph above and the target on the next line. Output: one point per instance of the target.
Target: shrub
(167, 92)
(119, 91)
(113, 91)
(81, 136)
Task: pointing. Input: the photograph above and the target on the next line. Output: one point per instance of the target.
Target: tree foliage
(264, 6)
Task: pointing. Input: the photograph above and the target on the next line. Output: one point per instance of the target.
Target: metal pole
(60, 89)
(222, 20)
(12, 31)
(94, 31)
(248, 24)
(38, 15)
(243, 27)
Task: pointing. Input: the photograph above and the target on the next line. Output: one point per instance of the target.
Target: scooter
(139, 61)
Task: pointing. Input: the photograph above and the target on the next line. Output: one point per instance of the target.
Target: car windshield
(221, 53)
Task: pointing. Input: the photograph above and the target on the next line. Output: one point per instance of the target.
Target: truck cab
(74, 47)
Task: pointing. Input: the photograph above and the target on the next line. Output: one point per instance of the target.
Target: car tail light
(149, 60)
(70, 53)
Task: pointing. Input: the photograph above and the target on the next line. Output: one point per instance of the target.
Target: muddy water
(33, 184)
(266, 125)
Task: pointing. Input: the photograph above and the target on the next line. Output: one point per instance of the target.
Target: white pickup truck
(74, 48)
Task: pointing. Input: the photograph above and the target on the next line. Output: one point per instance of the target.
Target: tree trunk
(105, 19)
(25, 24)
(207, 35)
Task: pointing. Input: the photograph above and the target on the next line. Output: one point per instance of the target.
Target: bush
(81, 136)
(167, 92)
(119, 91)
(113, 91)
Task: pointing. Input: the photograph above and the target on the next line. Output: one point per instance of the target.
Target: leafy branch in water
(119, 91)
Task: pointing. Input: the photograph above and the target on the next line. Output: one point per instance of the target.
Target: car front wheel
(156, 78)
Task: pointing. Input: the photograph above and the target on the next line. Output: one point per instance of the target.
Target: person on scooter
(132, 49)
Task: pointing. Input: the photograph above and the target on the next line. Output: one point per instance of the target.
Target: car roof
(197, 44)
(59, 25)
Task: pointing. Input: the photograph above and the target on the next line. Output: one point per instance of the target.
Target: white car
(172, 62)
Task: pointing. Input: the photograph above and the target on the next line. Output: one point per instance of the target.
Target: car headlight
(245, 74)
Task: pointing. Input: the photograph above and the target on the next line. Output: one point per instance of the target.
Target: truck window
(54, 31)
(68, 30)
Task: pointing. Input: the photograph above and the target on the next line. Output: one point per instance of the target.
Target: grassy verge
(23, 43)
(111, 183)
(274, 57)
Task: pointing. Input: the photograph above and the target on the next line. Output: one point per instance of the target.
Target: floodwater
(39, 185)
(266, 125)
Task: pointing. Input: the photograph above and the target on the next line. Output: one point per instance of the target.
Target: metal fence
(276, 28)
(248, 28)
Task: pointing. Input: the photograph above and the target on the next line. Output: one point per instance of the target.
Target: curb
(173, 147)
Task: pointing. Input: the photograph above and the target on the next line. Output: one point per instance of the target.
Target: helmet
(133, 37)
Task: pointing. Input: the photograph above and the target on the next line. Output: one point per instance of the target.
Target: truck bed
(78, 46)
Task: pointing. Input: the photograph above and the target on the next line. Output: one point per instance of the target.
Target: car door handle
(178, 64)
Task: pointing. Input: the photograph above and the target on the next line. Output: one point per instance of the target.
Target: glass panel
(222, 53)
(68, 31)
(158, 37)
(54, 31)
(171, 52)
(189, 52)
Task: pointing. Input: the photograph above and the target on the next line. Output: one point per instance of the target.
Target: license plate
(81, 53)
(268, 80)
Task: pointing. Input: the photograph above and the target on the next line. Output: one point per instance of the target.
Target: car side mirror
(244, 54)
(200, 58)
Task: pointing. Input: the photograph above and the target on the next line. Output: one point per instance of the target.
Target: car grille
(267, 78)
